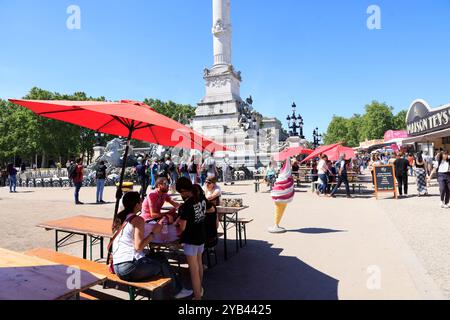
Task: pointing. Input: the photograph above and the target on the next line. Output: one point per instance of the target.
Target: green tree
(337, 131)
(354, 127)
(400, 120)
(377, 120)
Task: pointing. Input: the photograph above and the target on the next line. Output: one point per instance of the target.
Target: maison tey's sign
(421, 119)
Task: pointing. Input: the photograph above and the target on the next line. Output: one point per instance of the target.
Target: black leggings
(444, 187)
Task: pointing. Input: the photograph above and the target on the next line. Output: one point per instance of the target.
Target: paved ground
(335, 248)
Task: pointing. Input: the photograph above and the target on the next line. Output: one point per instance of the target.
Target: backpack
(73, 171)
(162, 171)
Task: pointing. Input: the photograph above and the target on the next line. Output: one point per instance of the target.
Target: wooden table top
(92, 226)
(23, 277)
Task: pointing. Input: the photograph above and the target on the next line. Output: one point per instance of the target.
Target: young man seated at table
(154, 202)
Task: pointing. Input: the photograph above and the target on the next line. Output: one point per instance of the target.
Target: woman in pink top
(153, 203)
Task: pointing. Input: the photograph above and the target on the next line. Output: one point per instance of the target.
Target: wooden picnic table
(23, 277)
(97, 229)
(229, 216)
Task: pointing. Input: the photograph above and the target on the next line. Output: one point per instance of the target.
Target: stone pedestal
(295, 142)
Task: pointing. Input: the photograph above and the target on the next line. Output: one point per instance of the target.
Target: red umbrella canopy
(291, 152)
(335, 153)
(126, 118)
(320, 151)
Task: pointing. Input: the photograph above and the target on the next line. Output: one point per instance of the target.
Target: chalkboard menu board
(385, 179)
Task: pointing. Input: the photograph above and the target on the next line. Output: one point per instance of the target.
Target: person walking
(100, 177)
(142, 177)
(154, 173)
(173, 174)
(184, 169)
(401, 173)
(12, 176)
(203, 173)
(193, 170)
(421, 175)
(76, 172)
(411, 164)
(442, 167)
(211, 167)
(322, 169)
(226, 172)
(342, 178)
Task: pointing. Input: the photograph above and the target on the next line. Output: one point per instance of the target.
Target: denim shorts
(193, 251)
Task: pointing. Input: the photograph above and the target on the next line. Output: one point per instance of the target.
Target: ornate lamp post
(295, 122)
(317, 138)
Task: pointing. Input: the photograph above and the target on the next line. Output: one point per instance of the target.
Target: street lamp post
(98, 138)
(295, 122)
(317, 138)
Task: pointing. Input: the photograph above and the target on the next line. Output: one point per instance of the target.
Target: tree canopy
(377, 119)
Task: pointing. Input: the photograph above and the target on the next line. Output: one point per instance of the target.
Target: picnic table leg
(237, 232)
(90, 246)
(101, 248)
(56, 240)
(225, 252)
(85, 247)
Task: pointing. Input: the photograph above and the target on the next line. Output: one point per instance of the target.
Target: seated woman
(130, 261)
(213, 194)
(153, 203)
(212, 191)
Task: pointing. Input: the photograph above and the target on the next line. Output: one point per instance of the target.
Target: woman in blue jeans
(130, 261)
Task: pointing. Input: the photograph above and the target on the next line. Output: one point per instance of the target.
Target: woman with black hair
(442, 167)
(421, 175)
(132, 235)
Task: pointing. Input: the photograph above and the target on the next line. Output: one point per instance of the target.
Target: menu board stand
(385, 180)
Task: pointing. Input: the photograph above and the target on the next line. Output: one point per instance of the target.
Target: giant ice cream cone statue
(282, 194)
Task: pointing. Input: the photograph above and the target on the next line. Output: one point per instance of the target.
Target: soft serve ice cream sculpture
(282, 193)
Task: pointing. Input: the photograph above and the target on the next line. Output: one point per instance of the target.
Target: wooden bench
(100, 269)
(333, 184)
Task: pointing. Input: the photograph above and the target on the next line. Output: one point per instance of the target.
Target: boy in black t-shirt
(192, 227)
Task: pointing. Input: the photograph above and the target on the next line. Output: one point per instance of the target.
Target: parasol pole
(119, 192)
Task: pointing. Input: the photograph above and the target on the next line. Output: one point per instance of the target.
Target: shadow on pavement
(316, 231)
(259, 272)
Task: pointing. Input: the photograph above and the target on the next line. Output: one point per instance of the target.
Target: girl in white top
(442, 167)
(130, 261)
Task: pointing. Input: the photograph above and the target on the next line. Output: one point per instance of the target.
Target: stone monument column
(222, 33)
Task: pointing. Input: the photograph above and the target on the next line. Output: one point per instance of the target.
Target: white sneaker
(444, 206)
(184, 293)
(276, 229)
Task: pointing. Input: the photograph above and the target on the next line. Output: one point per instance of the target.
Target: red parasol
(291, 152)
(131, 119)
(335, 153)
(320, 151)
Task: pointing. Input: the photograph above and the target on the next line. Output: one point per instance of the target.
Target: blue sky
(319, 54)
